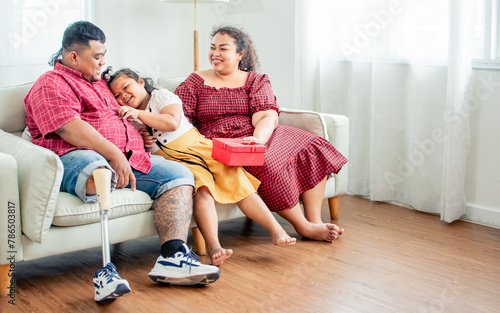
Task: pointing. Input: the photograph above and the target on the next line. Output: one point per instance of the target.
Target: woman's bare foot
(219, 255)
(321, 232)
(282, 239)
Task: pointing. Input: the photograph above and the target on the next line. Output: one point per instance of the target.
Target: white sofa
(37, 220)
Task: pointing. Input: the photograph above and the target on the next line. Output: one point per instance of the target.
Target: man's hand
(82, 135)
(124, 173)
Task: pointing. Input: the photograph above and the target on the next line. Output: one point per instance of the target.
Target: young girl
(176, 139)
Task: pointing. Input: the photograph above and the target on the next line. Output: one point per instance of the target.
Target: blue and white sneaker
(183, 268)
(109, 285)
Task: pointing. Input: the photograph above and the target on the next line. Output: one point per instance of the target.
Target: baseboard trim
(482, 215)
(473, 213)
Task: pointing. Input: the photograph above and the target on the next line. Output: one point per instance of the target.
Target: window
(397, 30)
(485, 34)
(394, 31)
(33, 32)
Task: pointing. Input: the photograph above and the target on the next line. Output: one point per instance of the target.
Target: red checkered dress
(295, 160)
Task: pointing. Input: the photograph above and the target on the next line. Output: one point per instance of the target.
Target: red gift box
(233, 152)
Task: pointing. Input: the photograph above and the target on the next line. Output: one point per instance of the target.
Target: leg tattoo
(173, 214)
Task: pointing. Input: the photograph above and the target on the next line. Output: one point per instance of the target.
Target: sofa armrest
(332, 127)
(39, 176)
(10, 217)
(338, 132)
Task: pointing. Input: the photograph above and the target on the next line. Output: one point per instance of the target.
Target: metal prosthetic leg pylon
(102, 180)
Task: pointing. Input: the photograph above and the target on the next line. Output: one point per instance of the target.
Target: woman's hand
(251, 140)
(149, 140)
(126, 112)
(264, 122)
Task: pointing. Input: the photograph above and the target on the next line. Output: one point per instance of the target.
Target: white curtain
(32, 31)
(400, 71)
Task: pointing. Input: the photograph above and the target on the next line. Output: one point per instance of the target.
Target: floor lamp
(195, 35)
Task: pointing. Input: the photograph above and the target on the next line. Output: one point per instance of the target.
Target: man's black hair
(78, 33)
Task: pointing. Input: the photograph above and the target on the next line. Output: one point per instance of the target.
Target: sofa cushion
(40, 173)
(13, 117)
(26, 135)
(307, 120)
(169, 83)
(71, 210)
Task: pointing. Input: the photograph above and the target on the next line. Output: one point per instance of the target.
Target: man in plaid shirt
(71, 111)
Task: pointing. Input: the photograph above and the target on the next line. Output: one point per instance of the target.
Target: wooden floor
(390, 259)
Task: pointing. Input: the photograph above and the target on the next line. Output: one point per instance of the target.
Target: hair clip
(107, 73)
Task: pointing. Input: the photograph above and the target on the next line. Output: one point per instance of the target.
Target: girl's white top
(161, 98)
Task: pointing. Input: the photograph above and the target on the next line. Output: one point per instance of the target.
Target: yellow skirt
(227, 184)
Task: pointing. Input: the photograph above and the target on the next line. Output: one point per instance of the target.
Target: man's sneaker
(183, 268)
(109, 285)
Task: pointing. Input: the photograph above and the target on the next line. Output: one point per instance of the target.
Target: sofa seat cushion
(71, 210)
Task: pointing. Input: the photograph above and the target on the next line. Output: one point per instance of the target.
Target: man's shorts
(80, 164)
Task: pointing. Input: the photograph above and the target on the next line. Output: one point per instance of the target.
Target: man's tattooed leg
(173, 213)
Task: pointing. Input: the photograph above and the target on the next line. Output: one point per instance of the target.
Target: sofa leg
(333, 204)
(4, 280)
(199, 241)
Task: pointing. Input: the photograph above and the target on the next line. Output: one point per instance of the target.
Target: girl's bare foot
(282, 239)
(219, 255)
(321, 232)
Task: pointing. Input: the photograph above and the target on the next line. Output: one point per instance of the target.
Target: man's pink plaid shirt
(63, 95)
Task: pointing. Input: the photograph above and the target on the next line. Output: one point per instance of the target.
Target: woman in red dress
(231, 100)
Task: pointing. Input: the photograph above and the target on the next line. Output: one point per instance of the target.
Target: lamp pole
(195, 40)
(195, 34)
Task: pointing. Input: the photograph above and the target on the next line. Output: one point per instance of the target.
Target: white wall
(156, 38)
(483, 169)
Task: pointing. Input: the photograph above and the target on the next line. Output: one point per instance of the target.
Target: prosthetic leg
(102, 180)
(108, 284)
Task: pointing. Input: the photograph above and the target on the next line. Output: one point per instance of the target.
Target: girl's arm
(168, 120)
(264, 122)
